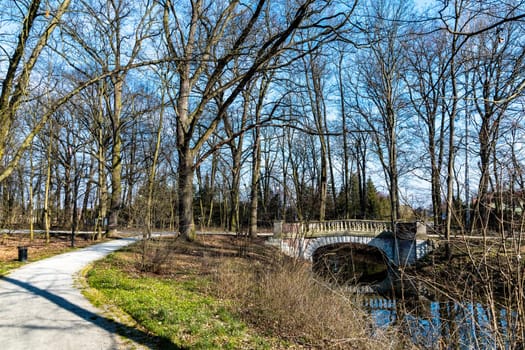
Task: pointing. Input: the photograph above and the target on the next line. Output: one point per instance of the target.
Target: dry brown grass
(282, 297)
(276, 295)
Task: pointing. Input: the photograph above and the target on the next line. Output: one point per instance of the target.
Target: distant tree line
(185, 115)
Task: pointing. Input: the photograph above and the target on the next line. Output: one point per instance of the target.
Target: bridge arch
(345, 262)
(384, 245)
(405, 247)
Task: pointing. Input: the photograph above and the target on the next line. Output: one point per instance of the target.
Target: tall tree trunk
(330, 163)
(254, 186)
(47, 187)
(451, 146)
(151, 177)
(323, 182)
(211, 187)
(313, 71)
(185, 172)
(361, 154)
(346, 158)
(87, 193)
(436, 162)
(394, 187)
(68, 187)
(285, 163)
(31, 175)
(236, 149)
(47, 219)
(256, 159)
(116, 158)
(102, 187)
(131, 173)
(234, 215)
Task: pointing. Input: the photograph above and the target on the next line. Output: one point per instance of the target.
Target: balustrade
(335, 226)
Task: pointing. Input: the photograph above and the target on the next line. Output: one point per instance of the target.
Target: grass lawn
(224, 292)
(174, 306)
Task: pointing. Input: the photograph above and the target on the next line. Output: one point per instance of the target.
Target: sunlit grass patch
(174, 310)
(228, 293)
(5, 267)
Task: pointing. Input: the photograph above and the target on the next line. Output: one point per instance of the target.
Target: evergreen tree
(355, 203)
(373, 206)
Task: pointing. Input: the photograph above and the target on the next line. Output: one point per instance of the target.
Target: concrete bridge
(402, 246)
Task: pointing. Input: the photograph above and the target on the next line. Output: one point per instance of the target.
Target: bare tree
(315, 71)
(427, 84)
(203, 41)
(110, 22)
(233, 127)
(263, 86)
(497, 72)
(31, 40)
(381, 72)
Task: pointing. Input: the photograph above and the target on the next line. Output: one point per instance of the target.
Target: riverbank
(233, 293)
(473, 269)
(473, 289)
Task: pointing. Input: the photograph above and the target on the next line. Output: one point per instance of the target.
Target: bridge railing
(312, 228)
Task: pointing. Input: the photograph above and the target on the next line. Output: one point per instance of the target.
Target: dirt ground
(169, 256)
(37, 248)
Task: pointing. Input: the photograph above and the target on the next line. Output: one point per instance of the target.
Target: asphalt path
(41, 308)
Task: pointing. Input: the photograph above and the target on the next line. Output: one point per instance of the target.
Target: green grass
(5, 267)
(173, 309)
(203, 295)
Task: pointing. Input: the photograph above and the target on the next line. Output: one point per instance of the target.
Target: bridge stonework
(302, 240)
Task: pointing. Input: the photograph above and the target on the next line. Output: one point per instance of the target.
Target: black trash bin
(22, 253)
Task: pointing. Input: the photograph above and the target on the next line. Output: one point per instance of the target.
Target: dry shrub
(288, 302)
(155, 255)
(486, 274)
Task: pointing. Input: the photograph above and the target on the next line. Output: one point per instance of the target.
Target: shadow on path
(109, 325)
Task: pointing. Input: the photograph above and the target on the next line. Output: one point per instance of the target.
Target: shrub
(290, 303)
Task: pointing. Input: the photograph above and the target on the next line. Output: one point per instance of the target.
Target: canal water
(431, 321)
(432, 324)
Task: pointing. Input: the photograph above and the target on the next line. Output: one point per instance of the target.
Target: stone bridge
(402, 246)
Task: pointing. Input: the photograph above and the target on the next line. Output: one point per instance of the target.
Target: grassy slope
(223, 292)
(174, 310)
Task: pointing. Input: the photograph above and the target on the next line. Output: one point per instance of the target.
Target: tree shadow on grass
(112, 326)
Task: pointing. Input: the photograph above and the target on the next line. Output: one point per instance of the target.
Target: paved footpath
(40, 308)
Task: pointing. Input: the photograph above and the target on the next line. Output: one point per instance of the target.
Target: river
(431, 320)
(432, 324)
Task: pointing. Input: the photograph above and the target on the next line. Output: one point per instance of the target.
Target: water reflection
(354, 263)
(444, 325)
(431, 320)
